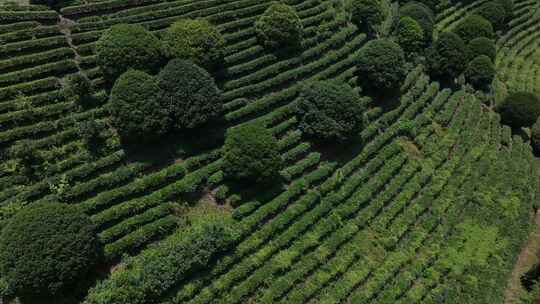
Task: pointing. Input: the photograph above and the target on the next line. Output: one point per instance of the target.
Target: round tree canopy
(137, 113)
(367, 14)
(494, 12)
(482, 46)
(422, 14)
(279, 26)
(46, 248)
(381, 64)
(189, 94)
(447, 57)
(480, 72)
(251, 153)
(329, 110)
(410, 35)
(474, 26)
(520, 109)
(127, 46)
(196, 40)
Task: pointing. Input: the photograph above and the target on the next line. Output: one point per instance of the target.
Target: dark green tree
(329, 110)
(480, 72)
(127, 46)
(494, 12)
(520, 109)
(79, 87)
(280, 27)
(447, 57)
(482, 46)
(410, 35)
(137, 113)
(195, 39)
(474, 26)
(367, 14)
(381, 64)
(422, 14)
(251, 153)
(189, 94)
(46, 249)
(535, 136)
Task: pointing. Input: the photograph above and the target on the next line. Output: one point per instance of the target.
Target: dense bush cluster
(381, 64)
(128, 46)
(494, 12)
(251, 153)
(46, 249)
(367, 14)
(195, 39)
(279, 27)
(520, 109)
(145, 278)
(446, 56)
(329, 111)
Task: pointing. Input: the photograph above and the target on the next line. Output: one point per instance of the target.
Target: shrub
(43, 2)
(422, 14)
(251, 153)
(46, 248)
(447, 57)
(329, 110)
(196, 40)
(136, 112)
(410, 35)
(520, 109)
(482, 46)
(381, 64)
(189, 94)
(480, 72)
(279, 26)
(474, 26)
(126, 46)
(367, 14)
(494, 12)
(79, 86)
(89, 131)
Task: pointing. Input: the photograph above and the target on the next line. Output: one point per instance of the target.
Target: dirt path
(527, 258)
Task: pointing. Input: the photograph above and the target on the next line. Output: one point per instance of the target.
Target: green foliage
(480, 72)
(79, 87)
(494, 12)
(422, 14)
(367, 14)
(329, 110)
(146, 277)
(535, 136)
(474, 26)
(127, 46)
(89, 131)
(520, 109)
(251, 153)
(46, 248)
(410, 35)
(508, 6)
(196, 40)
(279, 27)
(136, 112)
(447, 57)
(482, 46)
(189, 94)
(381, 64)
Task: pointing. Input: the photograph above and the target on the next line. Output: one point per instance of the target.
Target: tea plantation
(258, 151)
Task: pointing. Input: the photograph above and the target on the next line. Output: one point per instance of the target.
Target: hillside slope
(430, 204)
